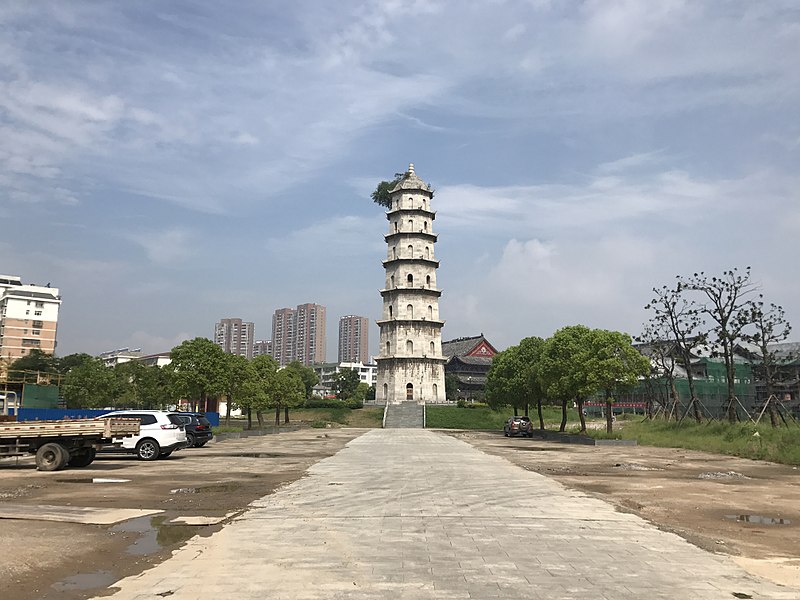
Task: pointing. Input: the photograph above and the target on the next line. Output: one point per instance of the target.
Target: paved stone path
(414, 514)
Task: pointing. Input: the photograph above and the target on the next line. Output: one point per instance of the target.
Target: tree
(381, 194)
(198, 371)
(562, 371)
(612, 363)
(28, 368)
(65, 363)
(143, 386)
(239, 374)
(263, 388)
(730, 310)
(289, 392)
(345, 383)
(771, 327)
(451, 383)
(512, 379)
(92, 385)
(681, 322)
(309, 378)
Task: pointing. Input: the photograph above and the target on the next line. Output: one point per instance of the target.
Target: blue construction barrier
(58, 414)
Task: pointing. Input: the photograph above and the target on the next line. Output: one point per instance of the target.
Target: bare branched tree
(771, 327)
(681, 321)
(729, 307)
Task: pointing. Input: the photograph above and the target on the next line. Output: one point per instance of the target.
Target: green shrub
(319, 424)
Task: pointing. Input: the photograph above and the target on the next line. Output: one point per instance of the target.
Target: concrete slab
(413, 514)
(71, 514)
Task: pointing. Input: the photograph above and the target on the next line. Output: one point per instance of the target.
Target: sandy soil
(696, 495)
(702, 497)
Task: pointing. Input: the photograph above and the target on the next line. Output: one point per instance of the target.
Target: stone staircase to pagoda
(406, 415)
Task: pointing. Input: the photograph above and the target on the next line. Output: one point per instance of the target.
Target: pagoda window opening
(410, 251)
(411, 224)
(410, 280)
(433, 346)
(435, 392)
(425, 226)
(430, 312)
(390, 311)
(409, 347)
(394, 252)
(391, 285)
(388, 349)
(410, 311)
(395, 226)
(428, 280)
(427, 252)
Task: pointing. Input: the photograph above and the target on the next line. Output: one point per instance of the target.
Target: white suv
(160, 434)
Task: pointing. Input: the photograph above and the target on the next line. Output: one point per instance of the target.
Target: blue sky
(167, 164)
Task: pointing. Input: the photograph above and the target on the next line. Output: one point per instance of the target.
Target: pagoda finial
(411, 169)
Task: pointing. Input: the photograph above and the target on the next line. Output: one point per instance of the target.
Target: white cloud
(166, 247)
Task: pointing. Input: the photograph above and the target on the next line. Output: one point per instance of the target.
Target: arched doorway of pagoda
(410, 392)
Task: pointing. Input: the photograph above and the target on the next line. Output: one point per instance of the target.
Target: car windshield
(175, 419)
(204, 421)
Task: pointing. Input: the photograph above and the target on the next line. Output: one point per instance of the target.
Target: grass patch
(781, 445)
(340, 416)
(453, 417)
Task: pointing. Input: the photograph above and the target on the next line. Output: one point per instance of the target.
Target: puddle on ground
(93, 480)
(256, 455)
(85, 581)
(215, 487)
(535, 449)
(758, 520)
(154, 534)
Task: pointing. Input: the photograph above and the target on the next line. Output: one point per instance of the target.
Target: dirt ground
(702, 497)
(70, 561)
(746, 508)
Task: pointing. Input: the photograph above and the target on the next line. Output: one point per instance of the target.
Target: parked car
(160, 434)
(198, 429)
(518, 426)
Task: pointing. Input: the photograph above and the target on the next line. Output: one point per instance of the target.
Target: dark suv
(198, 429)
(515, 426)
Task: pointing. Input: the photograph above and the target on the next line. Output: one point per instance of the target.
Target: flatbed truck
(58, 444)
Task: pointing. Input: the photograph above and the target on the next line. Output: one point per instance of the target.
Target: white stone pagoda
(410, 362)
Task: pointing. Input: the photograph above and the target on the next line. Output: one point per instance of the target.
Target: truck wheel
(148, 450)
(83, 458)
(51, 457)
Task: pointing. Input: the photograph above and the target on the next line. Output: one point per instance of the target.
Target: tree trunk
(260, 419)
(277, 416)
(526, 409)
(609, 413)
(228, 412)
(733, 413)
(563, 416)
(541, 416)
(579, 403)
(285, 414)
(516, 411)
(249, 418)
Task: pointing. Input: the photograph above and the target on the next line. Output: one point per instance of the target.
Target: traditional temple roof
(477, 346)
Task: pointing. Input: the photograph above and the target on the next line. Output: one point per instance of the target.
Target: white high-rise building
(28, 317)
(410, 361)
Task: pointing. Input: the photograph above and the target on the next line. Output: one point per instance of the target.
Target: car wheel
(190, 440)
(83, 458)
(148, 450)
(51, 457)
